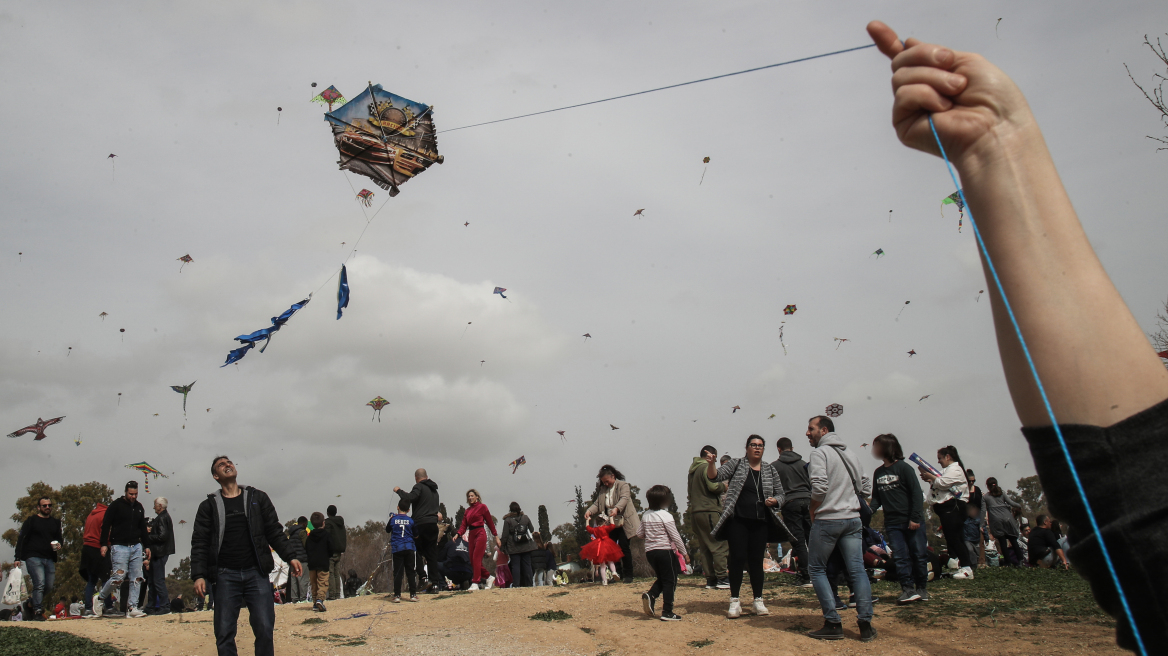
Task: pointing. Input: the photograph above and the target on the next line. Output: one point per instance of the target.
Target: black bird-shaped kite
(38, 428)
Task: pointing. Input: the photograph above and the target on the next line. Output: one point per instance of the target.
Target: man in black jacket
(335, 525)
(161, 539)
(123, 530)
(229, 549)
(797, 484)
(38, 543)
(424, 500)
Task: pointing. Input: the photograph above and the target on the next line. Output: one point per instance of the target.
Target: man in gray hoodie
(796, 506)
(837, 485)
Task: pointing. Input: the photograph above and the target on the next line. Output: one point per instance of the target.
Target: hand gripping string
(1046, 402)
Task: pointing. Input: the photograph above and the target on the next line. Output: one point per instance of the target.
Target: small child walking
(603, 551)
(661, 540)
(319, 548)
(402, 535)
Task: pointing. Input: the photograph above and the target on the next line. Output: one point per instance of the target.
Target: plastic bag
(14, 591)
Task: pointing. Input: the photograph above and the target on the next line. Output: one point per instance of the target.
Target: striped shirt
(660, 531)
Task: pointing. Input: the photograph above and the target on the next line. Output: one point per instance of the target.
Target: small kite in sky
(781, 342)
(103, 315)
(705, 160)
(587, 336)
(638, 212)
(613, 427)
(924, 397)
(113, 165)
(499, 291)
(978, 297)
(185, 259)
(343, 292)
(123, 332)
(834, 410)
(119, 399)
(1005, 465)
(38, 428)
(69, 352)
(184, 390)
(771, 417)
(329, 96)
(734, 409)
(146, 469)
(514, 464)
(879, 252)
(78, 440)
(563, 438)
(377, 404)
(955, 199)
(841, 341)
(21, 256)
(864, 444)
(208, 409)
(996, 27)
(902, 310)
(366, 197)
(181, 522)
(481, 363)
(465, 224)
(912, 352)
(790, 309)
(263, 334)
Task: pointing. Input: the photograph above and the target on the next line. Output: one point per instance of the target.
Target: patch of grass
(586, 630)
(558, 594)
(700, 643)
(607, 652)
(797, 628)
(452, 594)
(315, 620)
(19, 641)
(551, 616)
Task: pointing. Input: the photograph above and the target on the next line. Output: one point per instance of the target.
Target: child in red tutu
(603, 551)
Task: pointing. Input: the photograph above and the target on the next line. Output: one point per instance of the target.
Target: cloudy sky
(684, 304)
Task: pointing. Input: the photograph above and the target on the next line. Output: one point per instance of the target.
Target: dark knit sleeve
(1120, 468)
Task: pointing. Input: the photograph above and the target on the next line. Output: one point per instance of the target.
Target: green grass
(551, 616)
(452, 594)
(558, 594)
(20, 641)
(586, 630)
(315, 620)
(698, 644)
(1028, 596)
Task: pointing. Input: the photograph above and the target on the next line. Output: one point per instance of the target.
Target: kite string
(671, 86)
(368, 221)
(1045, 401)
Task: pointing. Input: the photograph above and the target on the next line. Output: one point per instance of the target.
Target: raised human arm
(1094, 361)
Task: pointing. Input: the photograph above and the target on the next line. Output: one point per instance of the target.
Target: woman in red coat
(477, 519)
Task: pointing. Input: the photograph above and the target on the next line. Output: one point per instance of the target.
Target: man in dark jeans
(335, 525)
(424, 500)
(37, 545)
(161, 539)
(230, 548)
(797, 484)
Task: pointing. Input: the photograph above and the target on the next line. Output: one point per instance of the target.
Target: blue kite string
(1046, 402)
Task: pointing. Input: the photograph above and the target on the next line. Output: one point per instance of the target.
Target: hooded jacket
(423, 500)
(831, 479)
(124, 523)
(92, 535)
(265, 530)
(793, 473)
(338, 537)
(318, 547)
(704, 495)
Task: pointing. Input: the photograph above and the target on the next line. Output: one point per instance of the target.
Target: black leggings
(748, 541)
(665, 565)
(403, 563)
(952, 514)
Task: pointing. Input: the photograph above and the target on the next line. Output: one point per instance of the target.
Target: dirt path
(605, 621)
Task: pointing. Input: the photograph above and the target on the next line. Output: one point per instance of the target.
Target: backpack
(520, 534)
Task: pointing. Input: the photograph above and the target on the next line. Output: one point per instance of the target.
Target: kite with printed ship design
(385, 137)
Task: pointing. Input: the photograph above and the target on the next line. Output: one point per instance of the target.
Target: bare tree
(1160, 337)
(1157, 95)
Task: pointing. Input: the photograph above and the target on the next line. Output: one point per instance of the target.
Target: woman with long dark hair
(948, 494)
(518, 543)
(896, 489)
(999, 512)
(753, 500)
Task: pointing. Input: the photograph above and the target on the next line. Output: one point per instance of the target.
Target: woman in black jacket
(518, 543)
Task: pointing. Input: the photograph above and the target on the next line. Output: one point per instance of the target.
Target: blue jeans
(42, 571)
(826, 534)
(235, 588)
(910, 551)
(127, 561)
(159, 597)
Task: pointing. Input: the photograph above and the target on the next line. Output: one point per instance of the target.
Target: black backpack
(519, 534)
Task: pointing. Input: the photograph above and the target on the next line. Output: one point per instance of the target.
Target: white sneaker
(98, 604)
(473, 586)
(964, 573)
(135, 613)
(759, 607)
(490, 583)
(735, 609)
